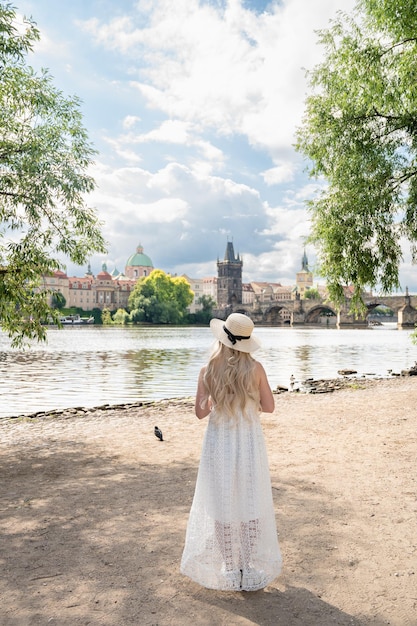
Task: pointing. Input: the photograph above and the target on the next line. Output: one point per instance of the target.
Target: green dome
(139, 259)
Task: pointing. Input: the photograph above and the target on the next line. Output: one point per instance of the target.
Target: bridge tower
(304, 279)
(229, 278)
(407, 315)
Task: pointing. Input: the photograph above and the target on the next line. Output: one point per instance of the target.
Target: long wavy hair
(230, 382)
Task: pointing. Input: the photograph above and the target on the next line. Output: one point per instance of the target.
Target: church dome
(139, 259)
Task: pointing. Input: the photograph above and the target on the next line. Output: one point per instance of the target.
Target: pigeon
(158, 433)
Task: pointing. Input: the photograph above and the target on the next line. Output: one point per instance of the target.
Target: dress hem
(234, 581)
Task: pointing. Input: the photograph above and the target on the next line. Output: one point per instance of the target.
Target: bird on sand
(158, 433)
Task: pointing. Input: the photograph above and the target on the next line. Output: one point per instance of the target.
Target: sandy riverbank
(94, 509)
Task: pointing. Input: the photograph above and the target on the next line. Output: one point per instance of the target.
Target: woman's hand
(202, 405)
(265, 393)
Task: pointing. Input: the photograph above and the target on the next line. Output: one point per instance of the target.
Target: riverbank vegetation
(359, 133)
(161, 299)
(45, 155)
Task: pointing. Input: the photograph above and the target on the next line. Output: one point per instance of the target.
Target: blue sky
(192, 106)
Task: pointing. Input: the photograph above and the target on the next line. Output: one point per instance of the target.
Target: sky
(193, 107)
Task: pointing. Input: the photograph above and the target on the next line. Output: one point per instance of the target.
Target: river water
(92, 365)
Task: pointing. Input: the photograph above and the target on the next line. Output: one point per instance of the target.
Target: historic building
(138, 264)
(229, 278)
(201, 287)
(112, 290)
(248, 295)
(259, 293)
(270, 292)
(210, 287)
(81, 293)
(59, 283)
(304, 278)
(197, 287)
(104, 291)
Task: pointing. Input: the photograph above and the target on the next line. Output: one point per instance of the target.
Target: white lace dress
(231, 541)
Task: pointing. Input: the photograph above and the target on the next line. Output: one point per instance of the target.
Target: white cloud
(180, 215)
(121, 148)
(188, 236)
(233, 71)
(170, 179)
(194, 105)
(130, 121)
(180, 133)
(282, 173)
(170, 131)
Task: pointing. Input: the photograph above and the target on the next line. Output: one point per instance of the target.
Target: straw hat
(235, 332)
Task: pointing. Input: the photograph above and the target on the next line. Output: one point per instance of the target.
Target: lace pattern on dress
(231, 540)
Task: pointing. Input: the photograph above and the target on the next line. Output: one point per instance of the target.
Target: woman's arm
(266, 396)
(202, 402)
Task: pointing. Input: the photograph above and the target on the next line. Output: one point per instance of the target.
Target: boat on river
(72, 320)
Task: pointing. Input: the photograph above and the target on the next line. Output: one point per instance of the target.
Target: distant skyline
(81, 271)
(192, 106)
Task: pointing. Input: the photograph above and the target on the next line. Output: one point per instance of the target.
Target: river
(94, 365)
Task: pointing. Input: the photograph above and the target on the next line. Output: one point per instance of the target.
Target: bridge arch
(380, 303)
(316, 314)
(277, 315)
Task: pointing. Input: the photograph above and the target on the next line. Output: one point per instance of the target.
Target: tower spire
(304, 262)
(229, 278)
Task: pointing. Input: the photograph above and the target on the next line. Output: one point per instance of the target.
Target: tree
(44, 158)
(204, 315)
(106, 318)
(160, 299)
(121, 317)
(360, 133)
(58, 301)
(312, 294)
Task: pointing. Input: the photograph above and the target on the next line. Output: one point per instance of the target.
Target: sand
(94, 509)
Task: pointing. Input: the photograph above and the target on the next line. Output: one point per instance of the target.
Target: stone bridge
(324, 313)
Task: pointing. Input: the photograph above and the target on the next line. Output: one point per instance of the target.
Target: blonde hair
(230, 381)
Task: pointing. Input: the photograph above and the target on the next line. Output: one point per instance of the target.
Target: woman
(231, 541)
